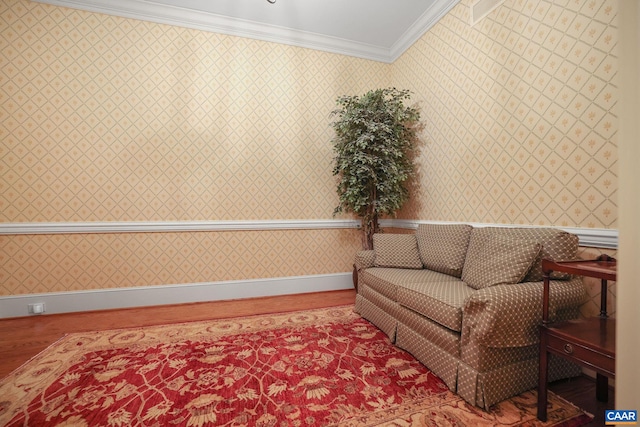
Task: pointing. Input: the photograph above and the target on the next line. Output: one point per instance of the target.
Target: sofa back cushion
(443, 247)
(396, 250)
(502, 261)
(557, 245)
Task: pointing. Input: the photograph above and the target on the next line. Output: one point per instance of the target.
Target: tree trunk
(369, 229)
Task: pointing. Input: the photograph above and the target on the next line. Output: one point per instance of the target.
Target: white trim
(198, 20)
(428, 19)
(147, 10)
(106, 299)
(170, 226)
(590, 237)
(596, 237)
(481, 8)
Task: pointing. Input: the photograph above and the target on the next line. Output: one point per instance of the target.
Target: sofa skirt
(441, 363)
(376, 315)
(438, 349)
(485, 389)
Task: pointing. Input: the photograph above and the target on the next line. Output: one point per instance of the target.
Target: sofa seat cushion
(428, 330)
(441, 302)
(386, 280)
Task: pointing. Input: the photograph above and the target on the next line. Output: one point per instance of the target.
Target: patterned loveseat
(467, 301)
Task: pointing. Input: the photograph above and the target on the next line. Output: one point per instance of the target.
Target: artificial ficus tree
(375, 136)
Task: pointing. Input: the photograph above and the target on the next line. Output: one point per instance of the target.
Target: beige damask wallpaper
(520, 118)
(520, 114)
(112, 119)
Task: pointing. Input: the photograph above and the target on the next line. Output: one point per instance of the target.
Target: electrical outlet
(37, 308)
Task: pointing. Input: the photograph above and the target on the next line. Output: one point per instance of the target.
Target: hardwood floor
(581, 392)
(24, 337)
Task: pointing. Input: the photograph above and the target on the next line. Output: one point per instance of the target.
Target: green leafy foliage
(374, 137)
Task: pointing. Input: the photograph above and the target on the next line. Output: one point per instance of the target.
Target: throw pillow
(501, 261)
(396, 250)
(443, 247)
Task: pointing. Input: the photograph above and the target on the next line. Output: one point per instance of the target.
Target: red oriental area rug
(312, 368)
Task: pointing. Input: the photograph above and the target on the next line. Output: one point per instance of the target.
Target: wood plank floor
(24, 337)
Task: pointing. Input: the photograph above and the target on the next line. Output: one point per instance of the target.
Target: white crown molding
(428, 19)
(590, 237)
(482, 8)
(108, 299)
(147, 10)
(182, 17)
(170, 226)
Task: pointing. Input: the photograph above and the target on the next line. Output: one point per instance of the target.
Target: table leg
(542, 378)
(602, 388)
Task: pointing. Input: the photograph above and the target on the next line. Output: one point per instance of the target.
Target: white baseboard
(105, 299)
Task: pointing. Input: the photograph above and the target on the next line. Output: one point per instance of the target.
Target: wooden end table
(587, 342)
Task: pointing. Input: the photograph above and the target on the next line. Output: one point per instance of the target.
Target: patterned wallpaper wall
(111, 119)
(520, 120)
(39, 264)
(520, 114)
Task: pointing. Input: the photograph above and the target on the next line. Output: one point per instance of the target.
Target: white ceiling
(380, 30)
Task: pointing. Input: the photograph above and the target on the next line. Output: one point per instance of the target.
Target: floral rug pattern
(312, 368)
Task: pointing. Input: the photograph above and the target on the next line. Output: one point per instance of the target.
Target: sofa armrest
(510, 315)
(365, 259)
